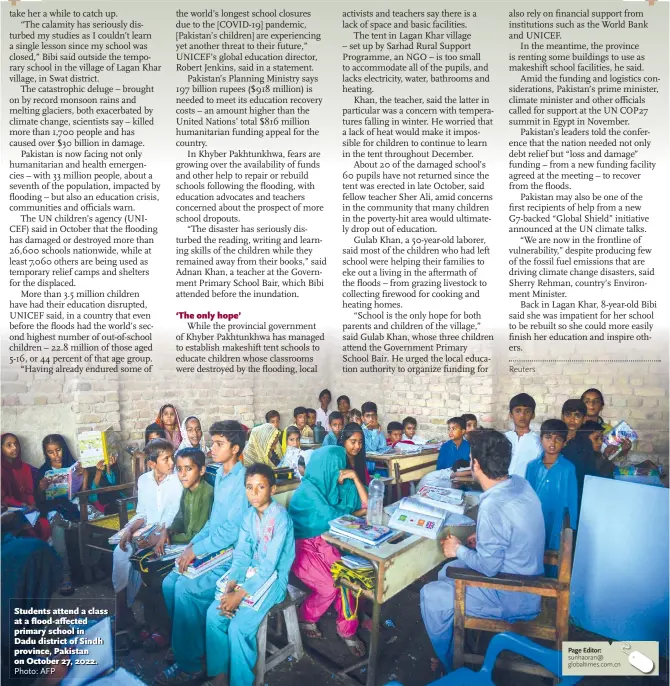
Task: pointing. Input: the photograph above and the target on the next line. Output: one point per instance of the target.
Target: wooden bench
(284, 629)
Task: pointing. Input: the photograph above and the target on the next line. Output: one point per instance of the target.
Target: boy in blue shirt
(526, 445)
(554, 480)
(456, 449)
(187, 599)
(336, 426)
(373, 435)
(266, 545)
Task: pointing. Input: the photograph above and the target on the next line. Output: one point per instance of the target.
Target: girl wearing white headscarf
(192, 436)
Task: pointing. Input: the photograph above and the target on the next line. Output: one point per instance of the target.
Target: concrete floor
(405, 658)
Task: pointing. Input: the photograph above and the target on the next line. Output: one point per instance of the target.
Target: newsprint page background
(433, 205)
(402, 189)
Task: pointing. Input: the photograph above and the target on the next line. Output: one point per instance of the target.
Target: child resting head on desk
(328, 491)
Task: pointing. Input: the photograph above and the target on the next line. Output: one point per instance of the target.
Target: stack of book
(206, 563)
(142, 534)
(356, 563)
(171, 552)
(253, 601)
(357, 529)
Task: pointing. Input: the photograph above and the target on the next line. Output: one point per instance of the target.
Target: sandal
(310, 629)
(155, 642)
(355, 645)
(66, 588)
(174, 675)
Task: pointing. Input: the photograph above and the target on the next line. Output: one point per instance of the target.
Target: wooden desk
(405, 468)
(398, 564)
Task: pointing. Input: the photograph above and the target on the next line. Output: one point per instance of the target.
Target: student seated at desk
(159, 493)
(336, 426)
(526, 445)
(101, 476)
(310, 417)
(294, 457)
(322, 412)
(393, 433)
(273, 417)
(266, 545)
(471, 423)
(196, 501)
(509, 539)
(140, 456)
(455, 452)
(372, 432)
(553, 478)
(196, 504)
(18, 489)
(344, 406)
(351, 439)
(168, 419)
(355, 417)
(300, 423)
(191, 431)
(57, 455)
(409, 425)
(187, 599)
(328, 491)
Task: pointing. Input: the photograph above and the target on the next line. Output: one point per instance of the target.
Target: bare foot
(436, 665)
